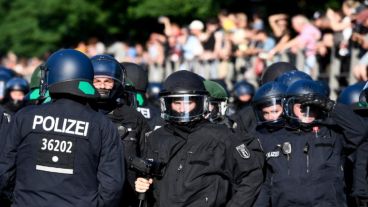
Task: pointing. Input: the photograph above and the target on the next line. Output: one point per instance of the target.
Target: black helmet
(107, 66)
(291, 77)
(187, 91)
(350, 95)
(70, 72)
(137, 75)
(275, 70)
(270, 96)
(299, 92)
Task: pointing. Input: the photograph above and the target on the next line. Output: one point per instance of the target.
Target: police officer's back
(64, 153)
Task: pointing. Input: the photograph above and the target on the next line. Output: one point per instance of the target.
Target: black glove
(324, 103)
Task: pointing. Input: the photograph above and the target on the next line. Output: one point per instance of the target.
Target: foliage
(32, 28)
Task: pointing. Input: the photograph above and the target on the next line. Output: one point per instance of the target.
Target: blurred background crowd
(329, 44)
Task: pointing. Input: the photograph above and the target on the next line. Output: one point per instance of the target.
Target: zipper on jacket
(306, 151)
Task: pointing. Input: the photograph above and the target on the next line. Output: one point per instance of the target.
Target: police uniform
(204, 166)
(56, 154)
(304, 168)
(131, 125)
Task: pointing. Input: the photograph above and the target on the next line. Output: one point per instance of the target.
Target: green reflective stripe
(47, 100)
(35, 94)
(86, 88)
(140, 99)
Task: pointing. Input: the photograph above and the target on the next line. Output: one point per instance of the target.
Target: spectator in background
(280, 31)
(360, 70)
(307, 41)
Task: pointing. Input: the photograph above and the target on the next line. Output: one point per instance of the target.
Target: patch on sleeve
(243, 151)
(7, 116)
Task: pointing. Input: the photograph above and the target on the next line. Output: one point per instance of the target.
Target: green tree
(35, 27)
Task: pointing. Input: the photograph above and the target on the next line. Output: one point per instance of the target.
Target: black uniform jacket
(62, 154)
(205, 165)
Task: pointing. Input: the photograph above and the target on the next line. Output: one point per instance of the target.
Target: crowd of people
(221, 113)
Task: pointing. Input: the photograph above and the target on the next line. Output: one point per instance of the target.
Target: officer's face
(303, 114)
(17, 95)
(272, 113)
(181, 106)
(103, 83)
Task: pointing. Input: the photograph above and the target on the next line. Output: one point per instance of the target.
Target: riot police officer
(139, 77)
(305, 158)
(57, 153)
(246, 118)
(109, 80)
(268, 105)
(217, 99)
(16, 89)
(204, 164)
(38, 93)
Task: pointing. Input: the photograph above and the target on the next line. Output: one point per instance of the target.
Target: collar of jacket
(184, 130)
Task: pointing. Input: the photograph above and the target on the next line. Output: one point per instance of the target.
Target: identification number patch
(56, 155)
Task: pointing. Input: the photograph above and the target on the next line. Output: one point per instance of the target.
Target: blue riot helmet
(105, 66)
(291, 77)
(268, 104)
(306, 103)
(70, 72)
(183, 98)
(5, 75)
(16, 89)
(350, 94)
(17, 84)
(243, 88)
(242, 94)
(325, 87)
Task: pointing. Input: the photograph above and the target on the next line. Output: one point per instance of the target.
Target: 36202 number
(57, 145)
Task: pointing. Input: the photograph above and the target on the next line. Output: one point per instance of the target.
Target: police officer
(204, 164)
(57, 153)
(350, 97)
(246, 118)
(242, 95)
(217, 99)
(305, 159)
(16, 89)
(38, 93)
(360, 172)
(5, 75)
(268, 105)
(109, 80)
(139, 77)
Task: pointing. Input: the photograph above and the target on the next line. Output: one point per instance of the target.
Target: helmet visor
(183, 107)
(269, 111)
(306, 114)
